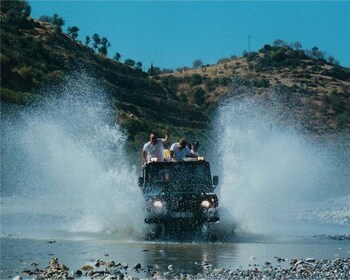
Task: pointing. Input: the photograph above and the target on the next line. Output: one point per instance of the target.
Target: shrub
(278, 56)
(199, 96)
(223, 60)
(250, 56)
(27, 73)
(197, 63)
(196, 79)
(17, 97)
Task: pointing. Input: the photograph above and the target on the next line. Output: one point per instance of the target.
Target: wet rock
(119, 275)
(77, 273)
(17, 278)
(27, 272)
(137, 266)
(87, 267)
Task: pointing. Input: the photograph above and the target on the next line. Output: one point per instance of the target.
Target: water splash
(64, 165)
(276, 179)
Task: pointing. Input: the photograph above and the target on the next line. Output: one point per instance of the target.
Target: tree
(139, 65)
(103, 50)
(279, 43)
(154, 71)
(16, 11)
(117, 56)
(57, 22)
(87, 40)
(129, 62)
(97, 40)
(197, 63)
(45, 18)
(73, 32)
(316, 54)
(296, 46)
(16, 8)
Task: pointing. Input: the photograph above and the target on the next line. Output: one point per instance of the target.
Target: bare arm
(144, 155)
(166, 136)
(190, 155)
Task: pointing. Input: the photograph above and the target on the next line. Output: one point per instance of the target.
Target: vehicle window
(179, 173)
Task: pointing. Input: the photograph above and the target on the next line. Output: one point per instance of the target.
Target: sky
(172, 34)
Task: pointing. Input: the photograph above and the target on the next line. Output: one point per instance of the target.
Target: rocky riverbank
(308, 268)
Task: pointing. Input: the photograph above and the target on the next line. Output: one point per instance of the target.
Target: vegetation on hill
(321, 87)
(37, 53)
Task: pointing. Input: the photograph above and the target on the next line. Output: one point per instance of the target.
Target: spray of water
(64, 165)
(275, 179)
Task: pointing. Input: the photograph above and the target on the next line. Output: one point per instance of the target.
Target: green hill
(35, 54)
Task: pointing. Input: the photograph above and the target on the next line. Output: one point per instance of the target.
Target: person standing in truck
(194, 149)
(154, 147)
(179, 151)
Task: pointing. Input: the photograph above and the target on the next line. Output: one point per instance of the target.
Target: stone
(87, 267)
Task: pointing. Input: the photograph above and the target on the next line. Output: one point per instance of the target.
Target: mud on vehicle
(179, 195)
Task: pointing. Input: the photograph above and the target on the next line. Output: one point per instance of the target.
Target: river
(70, 191)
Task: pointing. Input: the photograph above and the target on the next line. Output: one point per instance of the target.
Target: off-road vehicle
(179, 195)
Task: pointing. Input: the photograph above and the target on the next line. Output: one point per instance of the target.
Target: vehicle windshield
(182, 177)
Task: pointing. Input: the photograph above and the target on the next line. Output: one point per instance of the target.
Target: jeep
(179, 194)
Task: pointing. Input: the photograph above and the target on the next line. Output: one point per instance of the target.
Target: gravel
(308, 268)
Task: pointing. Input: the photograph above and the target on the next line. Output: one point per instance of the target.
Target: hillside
(34, 55)
(315, 91)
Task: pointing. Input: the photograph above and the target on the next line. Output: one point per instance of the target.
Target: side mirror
(215, 180)
(140, 182)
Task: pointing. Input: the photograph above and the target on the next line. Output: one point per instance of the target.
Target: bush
(343, 119)
(278, 56)
(250, 56)
(196, 79)
(338, 72)
(17, 97)
(28, 74)
(223, 60)
(199, 96)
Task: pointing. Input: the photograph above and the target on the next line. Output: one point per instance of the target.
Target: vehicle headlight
(206, 204)
(157, 204)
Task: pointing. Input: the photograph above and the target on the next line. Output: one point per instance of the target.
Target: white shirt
(179, 155)
(155, 150)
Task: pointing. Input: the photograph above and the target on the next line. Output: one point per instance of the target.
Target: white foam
(271, 175)
(65, 160)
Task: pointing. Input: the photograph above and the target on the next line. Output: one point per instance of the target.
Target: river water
(69, 189)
